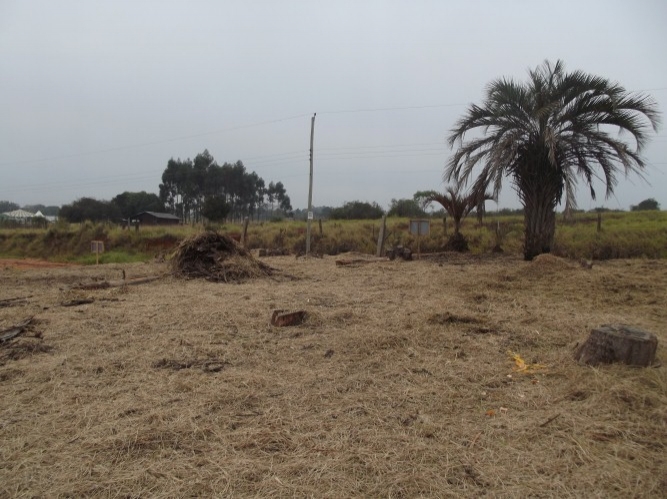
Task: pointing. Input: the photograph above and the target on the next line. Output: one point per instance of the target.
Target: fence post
(383, 228)
(244, 234)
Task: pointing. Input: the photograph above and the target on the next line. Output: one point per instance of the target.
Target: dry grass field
(399, 384)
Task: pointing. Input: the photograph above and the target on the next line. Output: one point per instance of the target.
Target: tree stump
(618, 343)
(282, 318)
(401, 252)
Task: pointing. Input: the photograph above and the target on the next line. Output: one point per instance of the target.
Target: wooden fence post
(244, 234)
(383, 228)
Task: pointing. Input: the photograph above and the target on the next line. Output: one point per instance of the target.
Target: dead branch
(358, 261)
(116, 284)
(549, 420)
(10, 302)
(74, 303)
(14, 331)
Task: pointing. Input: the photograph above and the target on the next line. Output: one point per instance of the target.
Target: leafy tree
(547, 133)
(405, 208)
(51, 211)
(215, 208)
(286, 205)
(257, 191)
(276, 193)
(131, 203)
(187, 184)
(173, 186)
(8, 206)
(423, 200)
(318, 212)
(90, 209)
(647, 204)
(509, 211)
(357, 210)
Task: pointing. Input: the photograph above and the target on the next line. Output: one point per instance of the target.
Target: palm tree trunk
(457, 226)
(540, 224)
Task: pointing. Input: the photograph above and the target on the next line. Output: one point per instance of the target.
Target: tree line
(193, 190)
(201, 188)
(121, 207)
(48, 211)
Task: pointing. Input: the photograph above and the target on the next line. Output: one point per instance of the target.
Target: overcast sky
(97, 96)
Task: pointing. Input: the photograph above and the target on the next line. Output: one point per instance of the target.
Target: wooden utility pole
(310, 186)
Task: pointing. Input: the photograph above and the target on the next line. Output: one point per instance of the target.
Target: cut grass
(400, 383)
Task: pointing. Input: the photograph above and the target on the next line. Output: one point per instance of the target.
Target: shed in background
(155, 218)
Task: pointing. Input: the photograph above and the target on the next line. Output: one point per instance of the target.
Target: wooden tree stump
(282, 318)
(618, 343)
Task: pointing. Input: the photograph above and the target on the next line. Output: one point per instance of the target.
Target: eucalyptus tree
(188, 184)
(547, 134)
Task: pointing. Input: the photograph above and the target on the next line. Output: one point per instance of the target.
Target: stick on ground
(14, 331)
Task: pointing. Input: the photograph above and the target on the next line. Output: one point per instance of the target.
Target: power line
(240, 127)
(399, 108)
(146, 144)
(116, 179)
(382, 146)
(279, 160)
(69, 185)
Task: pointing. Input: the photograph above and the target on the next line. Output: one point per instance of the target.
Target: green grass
(114, 256)
(622, 235)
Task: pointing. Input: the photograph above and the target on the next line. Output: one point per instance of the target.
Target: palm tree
(546, 134)
(458, 206)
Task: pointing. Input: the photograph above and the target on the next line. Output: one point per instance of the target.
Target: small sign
(97, 247)
(420, 227)
(310, 215)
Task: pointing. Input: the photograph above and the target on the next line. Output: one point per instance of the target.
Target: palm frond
(556, 126)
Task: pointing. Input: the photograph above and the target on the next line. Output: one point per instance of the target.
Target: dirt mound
(217, 258)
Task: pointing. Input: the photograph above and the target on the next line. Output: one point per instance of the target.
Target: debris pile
(217, 258)
(399, 252)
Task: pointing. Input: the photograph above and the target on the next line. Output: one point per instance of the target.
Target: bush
(357, 210)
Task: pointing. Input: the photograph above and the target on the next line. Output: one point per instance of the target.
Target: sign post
(97, 247)
(420, 227)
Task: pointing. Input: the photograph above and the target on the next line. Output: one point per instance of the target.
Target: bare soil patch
(401, 382)
(31, 263)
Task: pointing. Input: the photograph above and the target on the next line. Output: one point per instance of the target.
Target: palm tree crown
(547, 133)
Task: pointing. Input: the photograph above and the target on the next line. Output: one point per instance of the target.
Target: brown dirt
(398, 384)
(28, 263)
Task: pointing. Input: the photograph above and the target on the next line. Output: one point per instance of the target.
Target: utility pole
(310, 187)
